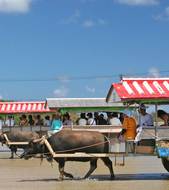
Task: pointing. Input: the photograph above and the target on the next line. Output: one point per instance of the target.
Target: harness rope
(83, 147)
(64, 151)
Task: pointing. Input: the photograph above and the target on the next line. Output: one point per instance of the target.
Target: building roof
(140, 90)
(23, 107)
(83, 104)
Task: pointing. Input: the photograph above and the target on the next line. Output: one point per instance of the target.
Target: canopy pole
(156, 123)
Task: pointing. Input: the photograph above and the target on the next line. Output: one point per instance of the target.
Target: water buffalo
(67, 141)
(18, 136)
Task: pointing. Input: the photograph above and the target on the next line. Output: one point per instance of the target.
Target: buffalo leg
(108, 163)
(12, 155)
(61, 170)
(13, 151)
(93, 166)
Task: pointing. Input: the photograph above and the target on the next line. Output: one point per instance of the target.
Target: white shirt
(115, 121)
(146, 120)
(47, 123)
(82, 122)
(91, 121)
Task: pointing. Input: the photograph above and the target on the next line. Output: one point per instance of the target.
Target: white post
(156, 123)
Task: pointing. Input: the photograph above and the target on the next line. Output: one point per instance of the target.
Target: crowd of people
(91, 119)
(25, 120)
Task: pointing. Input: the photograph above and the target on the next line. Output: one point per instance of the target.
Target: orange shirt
(130, 125)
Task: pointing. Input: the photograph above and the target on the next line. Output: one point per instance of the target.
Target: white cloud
(1, 97)
(63, 79)
(90, 89)
(164, 16)
(88, 23)
(72, 19)
(91, 23)
(138, 2)
(76, 18)
(102, 21)
(61, 92)
(10, 6)
(154, 72)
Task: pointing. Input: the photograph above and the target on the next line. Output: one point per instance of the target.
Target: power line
(61, 79)
(74, 78)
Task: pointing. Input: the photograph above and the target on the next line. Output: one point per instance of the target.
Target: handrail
(75, 127)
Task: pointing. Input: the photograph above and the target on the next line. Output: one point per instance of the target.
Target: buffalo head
(35, 147)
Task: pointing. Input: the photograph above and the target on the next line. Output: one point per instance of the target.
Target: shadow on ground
(118, 177)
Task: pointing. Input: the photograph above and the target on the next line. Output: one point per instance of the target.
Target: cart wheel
(165, 162)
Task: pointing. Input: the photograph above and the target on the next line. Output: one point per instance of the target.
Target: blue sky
(77, 48)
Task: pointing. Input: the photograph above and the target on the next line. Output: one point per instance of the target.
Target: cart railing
(100, 128)
(149, 132)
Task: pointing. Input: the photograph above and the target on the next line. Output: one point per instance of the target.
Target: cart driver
(146, 119)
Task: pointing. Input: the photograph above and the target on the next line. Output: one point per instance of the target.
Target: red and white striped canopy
(23, 107)
(140, 89)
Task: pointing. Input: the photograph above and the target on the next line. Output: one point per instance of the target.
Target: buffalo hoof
(60, 178)
(85, 177)
(22, 155)
(69, 176)
(49, 159)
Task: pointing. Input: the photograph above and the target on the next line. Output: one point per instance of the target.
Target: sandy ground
(139, 172)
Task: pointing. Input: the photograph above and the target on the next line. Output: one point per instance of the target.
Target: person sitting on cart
(67, 120)
(23, 120)
(164, 116)
(146, 119)
(90, 120)
(56, 125)
(82, 121)
(114, 120)
(101, 120)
